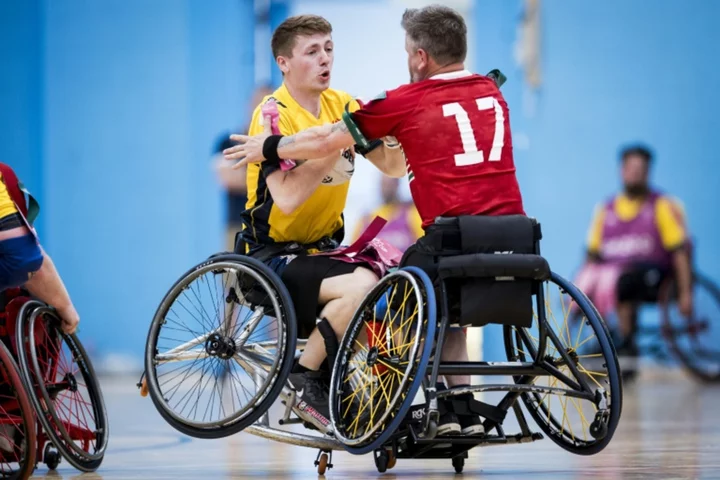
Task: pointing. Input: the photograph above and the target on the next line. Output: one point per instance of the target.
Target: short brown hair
(285, 35)
(439, 30)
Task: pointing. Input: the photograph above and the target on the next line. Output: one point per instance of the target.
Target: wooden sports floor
(670, 428)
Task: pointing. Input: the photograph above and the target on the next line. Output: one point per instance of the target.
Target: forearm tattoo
(286, 141)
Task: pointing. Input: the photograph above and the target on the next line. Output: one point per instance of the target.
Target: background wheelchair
(394, 344)
(60, 383)
(17, 422)
(222, 343)
(665, 334)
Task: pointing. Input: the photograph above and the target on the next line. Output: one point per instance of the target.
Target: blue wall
(21, 76)
(109, 111)
(613, 72)
(134, 95)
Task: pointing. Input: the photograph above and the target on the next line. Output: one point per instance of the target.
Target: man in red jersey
(454, 129)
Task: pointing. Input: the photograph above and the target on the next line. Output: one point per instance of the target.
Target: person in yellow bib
(294, 212)
(404, 225)
(635, 241)
(23, 261)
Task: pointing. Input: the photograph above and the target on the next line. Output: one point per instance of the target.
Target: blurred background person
(404, 224)
(234, 182)
(637, 239)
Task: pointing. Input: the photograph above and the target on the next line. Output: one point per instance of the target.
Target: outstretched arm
(48, 287)
(315, 142)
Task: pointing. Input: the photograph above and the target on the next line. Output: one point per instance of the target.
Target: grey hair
(439, 30)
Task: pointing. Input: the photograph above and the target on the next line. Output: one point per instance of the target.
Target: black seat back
(497, 272)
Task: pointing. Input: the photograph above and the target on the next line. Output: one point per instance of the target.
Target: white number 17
(472, 155)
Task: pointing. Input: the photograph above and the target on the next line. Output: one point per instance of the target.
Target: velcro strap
(497, 76)
(474, 407)
(354, 130)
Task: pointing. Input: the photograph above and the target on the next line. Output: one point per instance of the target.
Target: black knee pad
(331, 342)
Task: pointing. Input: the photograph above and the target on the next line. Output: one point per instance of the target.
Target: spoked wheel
(17, 422)
(694, 340)
(220, 347)
(382, 360)
(581, 358)
(65, 391)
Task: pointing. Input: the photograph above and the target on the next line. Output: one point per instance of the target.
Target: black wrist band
(270, 148)
(371, 146)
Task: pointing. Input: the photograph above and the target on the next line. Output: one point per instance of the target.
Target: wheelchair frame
(20, 311)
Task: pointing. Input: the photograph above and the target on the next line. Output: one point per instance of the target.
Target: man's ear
(282, 63)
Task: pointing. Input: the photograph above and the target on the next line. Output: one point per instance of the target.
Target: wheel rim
(72, 399)
(17, 422)
(566, 418)
(694, 340)
(224, 347)
(382, 363)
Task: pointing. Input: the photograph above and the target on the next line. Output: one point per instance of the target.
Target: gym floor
(670, 428)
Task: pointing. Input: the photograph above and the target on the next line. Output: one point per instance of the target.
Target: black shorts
(424, 255)
(302, 276)
(641, 283)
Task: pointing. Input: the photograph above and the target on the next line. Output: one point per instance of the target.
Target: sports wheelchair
(672, 338)
(58, 379)
(215, 371)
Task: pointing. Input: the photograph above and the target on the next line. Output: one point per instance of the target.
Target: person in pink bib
(636, 240)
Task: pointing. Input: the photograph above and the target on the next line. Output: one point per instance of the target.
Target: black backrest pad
(499, 300)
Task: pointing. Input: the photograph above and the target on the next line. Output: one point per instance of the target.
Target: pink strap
(270, 109)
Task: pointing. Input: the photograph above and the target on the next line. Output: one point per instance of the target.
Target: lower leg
(338, 313)
(455, 350)
(627, 320)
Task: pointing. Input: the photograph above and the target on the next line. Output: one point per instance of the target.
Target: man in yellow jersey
(22, 260)
(291, 213)
(636, 240)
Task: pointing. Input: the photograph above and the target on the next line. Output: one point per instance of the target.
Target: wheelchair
(693, 341)
(59, 380)
(215, 370)
(674, 339)
(17, 422)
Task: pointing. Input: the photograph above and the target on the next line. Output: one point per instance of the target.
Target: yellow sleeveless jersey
(7, 207)
(321, 214)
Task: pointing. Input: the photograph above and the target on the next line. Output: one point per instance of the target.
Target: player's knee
(363, 280)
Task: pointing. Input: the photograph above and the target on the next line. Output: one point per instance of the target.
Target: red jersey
(455, 133)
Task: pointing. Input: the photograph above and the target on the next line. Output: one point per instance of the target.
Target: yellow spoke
(390, 367)
(583, 420)
(565, 318)
(582, 369)
(412, 317)
(572, 434)
(382, 386)
(577, 337)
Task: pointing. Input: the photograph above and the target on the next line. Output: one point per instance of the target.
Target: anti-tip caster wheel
(322, 462)
(458, 464)
(598, 429)
(392, 460)
(51, 457)
(382, 460)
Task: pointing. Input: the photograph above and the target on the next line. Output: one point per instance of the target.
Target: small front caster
(382, 460)
(51, 457)
(323, 461)
(458, 464)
